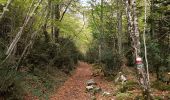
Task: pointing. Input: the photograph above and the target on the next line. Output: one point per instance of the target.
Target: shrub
(56, 55)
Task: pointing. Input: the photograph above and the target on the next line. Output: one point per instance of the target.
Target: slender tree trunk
(56, 18)
(5, 9)
(144, 42)
(20, 32)
(62, 16)
(32, 39)
(100, 53)
(152, 22)
(119, 26)
(134, 33)
(101, 32)
(52, 22)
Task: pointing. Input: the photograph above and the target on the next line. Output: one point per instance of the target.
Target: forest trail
(74, 87)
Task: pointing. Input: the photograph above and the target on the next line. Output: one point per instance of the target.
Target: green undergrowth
(128, 86)
(40, 72)
(40, 84)
(160, 86)
(124, 96)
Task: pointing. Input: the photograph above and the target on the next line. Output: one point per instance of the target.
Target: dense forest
(43, 43)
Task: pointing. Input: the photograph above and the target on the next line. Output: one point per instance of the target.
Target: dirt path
(74, 87)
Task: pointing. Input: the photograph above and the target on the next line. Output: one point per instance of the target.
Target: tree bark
(134, 34)
(20, 32)
(119, 26)
(101, 32)
(55, 16)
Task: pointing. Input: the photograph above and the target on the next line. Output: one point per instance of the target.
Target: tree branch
(5, 9)
(62, 16)
(20, 32)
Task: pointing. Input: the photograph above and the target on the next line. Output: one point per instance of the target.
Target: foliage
(98, 31)
(124, 96)
(105, 34)
(161, 86)
(55, 55)
(131, 85)
(37, 63)
(157, 41)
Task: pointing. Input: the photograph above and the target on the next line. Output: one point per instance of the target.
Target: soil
(74, 87)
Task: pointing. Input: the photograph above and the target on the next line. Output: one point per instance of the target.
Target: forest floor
(75, 87)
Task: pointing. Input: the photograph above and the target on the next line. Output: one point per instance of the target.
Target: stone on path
(92, 87)
(88, 88)
(97, 89)
(106, 93)
(93, 98)
(91, 82)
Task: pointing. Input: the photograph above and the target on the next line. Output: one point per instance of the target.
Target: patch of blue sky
(85, 2)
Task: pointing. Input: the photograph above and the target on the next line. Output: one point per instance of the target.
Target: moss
(124, 96)
(138, 97)
(158, 98)
(131, 85)
(161, 86)
(128, 86)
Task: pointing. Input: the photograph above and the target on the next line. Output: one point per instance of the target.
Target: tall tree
(135, 35)
(119, 26)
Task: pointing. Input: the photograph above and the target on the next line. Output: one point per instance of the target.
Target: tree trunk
(52, 22)
(20, 32)
(56, 18)
(134, 34)
(152, 32)
(102, 32)
(119, 26)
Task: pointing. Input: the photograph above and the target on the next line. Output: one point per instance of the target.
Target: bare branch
(62, 16)
(18, 36)
(5, 9)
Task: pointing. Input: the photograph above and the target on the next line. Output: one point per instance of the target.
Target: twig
(5, 9)
(62, 16)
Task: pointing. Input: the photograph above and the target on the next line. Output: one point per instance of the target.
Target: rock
(91, 82)
(97, 89)
(93, 98)
(106, 93)
(121, 78)
(89, 88)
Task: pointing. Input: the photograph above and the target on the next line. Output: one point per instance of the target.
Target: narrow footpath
(75, 87)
